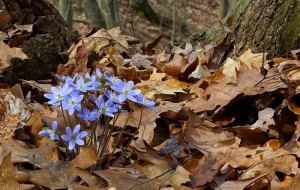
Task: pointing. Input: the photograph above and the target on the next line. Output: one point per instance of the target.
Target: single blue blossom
(111, 80)
(125, 90)
(48, 132)
(62, 78)
(93, 79)
(73, 102)
(74, 137)
(81, 84)
(101, 76)
(58, 94)
(145, 102)
(106, 108)
(112, 96)
(89, 115)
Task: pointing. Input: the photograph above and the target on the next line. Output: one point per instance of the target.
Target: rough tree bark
(271, 26)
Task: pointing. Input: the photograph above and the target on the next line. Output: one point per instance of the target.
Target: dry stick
(132, 28)
(264, 78)
(126, 15)
(172, 168)
(111, 38)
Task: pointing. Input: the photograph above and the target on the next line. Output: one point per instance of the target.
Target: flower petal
(82, 134)
(54, 125)
(44, 133)
(76, 129)
(79, 142)
(65, 137)
(69, 131)
(71, 145)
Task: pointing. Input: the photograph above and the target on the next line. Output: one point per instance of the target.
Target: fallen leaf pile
(232, 125)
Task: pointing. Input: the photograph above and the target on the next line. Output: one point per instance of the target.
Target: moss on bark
(270, 26)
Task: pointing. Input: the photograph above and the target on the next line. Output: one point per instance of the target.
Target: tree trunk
(93, 13)
(110, 9)
(271, 26)
(66, 10)
(113, 14)
(143, 7)
(225, 7)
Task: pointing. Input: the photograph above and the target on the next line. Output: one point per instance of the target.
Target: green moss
(217, 33)
(292, 30)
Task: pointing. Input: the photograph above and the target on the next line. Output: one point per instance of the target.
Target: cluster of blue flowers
(89, 97)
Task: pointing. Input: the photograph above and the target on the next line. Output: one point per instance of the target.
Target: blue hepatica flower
(74, 137)
(81, 84)
(72, 102)
(89, 115)
(101, 76)
(112, 96)
(58, 94)
(145, 102)
(125, 90)
(93, 79)
(106, 108)
(113, 80)
(48, 132)
(62, 78)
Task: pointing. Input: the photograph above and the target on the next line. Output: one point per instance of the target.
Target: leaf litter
(224, 126)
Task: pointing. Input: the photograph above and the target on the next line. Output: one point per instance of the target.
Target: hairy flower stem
(62, 111)
(130, 140)
(110, 134)
(119, 138)
(103, 135)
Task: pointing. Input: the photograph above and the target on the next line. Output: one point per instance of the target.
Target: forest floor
(112, 112)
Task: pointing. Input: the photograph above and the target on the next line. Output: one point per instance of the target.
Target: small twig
(132, 28)
(172, 168)
(264, 78)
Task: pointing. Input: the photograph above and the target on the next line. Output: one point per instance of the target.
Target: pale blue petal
(79, 142)
(44, 133)
(76, 129)
(69, 131)
(54, 125)
(65, 137)
(82, 134)
(71, 145)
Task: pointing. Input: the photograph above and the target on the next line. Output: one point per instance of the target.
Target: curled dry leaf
(203, 170)
(155, 166)
(60, 174)
(8, 53)
(36, 124)
(155, 85)
(272, 165)
(8, 174)
(140, 60)
(13, 111)
(147, 125)
(101, 39)
(227, 89)
(240, 184)
(124, 180)
(265, 119)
